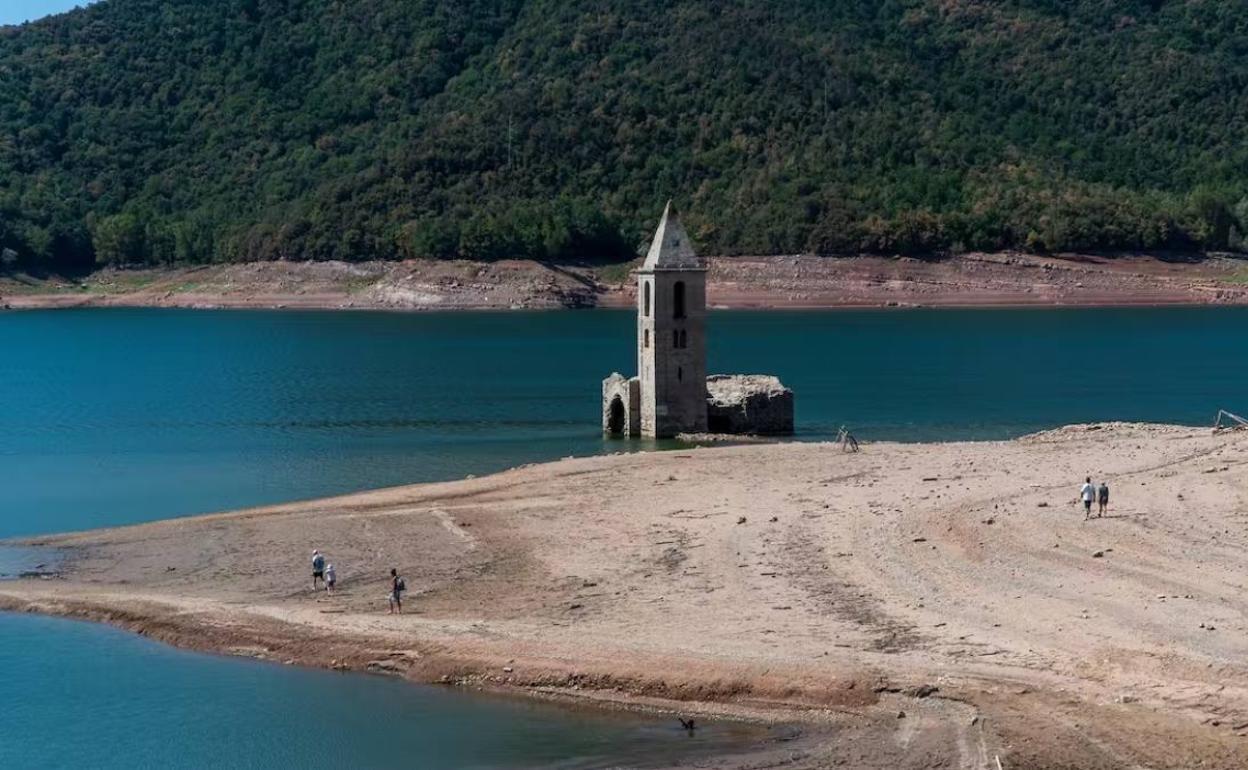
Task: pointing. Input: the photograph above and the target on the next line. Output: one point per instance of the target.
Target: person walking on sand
(331, 577)
(1087, 494)
(1102, 499)
(397, 587)
(318, 568)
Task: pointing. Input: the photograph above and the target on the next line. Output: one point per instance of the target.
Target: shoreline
(771, 734)
(39, 305)
(911, 599)
(786, 730)
(1005, 280)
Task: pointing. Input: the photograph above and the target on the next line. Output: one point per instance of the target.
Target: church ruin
(671, 393)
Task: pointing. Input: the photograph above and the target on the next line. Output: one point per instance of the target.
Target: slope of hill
(184, 131)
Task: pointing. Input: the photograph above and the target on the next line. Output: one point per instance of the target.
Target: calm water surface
(117, 416)
(104, 699)
(114, 416)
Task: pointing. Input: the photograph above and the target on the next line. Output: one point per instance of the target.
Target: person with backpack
(318, 568)
(397, 587)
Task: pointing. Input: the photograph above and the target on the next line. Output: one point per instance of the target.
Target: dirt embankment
(415, 285)
(974, 280)
(734, 282)
(915, 606)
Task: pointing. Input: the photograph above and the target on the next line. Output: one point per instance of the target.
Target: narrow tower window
(680, 374)
(678, 300)
(645, 302)
(684, 339)
(675, 338)
(646, 344)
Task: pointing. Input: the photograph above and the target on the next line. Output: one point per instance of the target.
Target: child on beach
(397, 587)
(331, 577)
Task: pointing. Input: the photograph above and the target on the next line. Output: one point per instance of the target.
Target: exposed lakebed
(118, 416)
(83, 695)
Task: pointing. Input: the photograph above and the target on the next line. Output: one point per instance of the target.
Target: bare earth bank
(735, 282)
(912, 606)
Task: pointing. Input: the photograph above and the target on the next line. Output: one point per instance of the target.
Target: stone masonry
(621, 405)
(748, 403)
(670, 396)
(671, 333)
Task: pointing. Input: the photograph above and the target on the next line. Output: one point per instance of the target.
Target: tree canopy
(172, 131)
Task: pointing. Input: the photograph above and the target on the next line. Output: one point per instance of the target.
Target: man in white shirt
(318, 568)
(1087, 494)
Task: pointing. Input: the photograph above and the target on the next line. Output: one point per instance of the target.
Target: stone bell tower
(671, 334)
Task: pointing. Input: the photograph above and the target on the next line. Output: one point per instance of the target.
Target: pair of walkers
(1091, 493)
(326, 573)
(323, 572)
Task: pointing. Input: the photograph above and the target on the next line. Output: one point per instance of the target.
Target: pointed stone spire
(671, 249)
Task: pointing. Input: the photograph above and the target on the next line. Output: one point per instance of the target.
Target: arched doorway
(615, 417)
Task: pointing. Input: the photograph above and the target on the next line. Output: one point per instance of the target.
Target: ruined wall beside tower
(671, 385)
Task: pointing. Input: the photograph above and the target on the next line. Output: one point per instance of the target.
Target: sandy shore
(970, 280)
(914, 605)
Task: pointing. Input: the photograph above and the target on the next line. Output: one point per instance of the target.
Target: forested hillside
(219, 130)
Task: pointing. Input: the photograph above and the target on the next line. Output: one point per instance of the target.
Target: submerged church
(671, 394)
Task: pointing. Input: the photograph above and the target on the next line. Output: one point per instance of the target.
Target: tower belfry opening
(672, 372)
(671, 393)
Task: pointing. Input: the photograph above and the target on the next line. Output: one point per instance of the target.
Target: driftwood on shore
(1228, 421)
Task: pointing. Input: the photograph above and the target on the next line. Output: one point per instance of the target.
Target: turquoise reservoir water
(78, 695)
(114, 416)
(117, 416)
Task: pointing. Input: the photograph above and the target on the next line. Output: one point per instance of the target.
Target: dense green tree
(157, 131)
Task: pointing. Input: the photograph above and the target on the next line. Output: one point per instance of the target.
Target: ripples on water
(119, 415)
(116, 416)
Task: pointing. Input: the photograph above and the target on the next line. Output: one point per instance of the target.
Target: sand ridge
(956, 583)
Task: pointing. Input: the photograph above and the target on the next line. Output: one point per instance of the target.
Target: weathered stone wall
(755, 404)
(672, 352)
(624, 419)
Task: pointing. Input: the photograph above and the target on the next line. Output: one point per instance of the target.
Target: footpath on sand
(912, 605)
